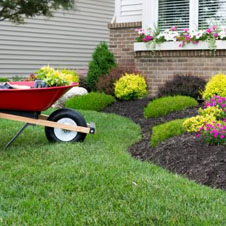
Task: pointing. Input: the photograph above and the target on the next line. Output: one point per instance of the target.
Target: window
(173, 13)
(193, 14)
(211, 12)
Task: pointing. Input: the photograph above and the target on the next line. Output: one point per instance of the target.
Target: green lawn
(96, 182)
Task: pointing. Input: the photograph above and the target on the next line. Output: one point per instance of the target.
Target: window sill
(141, 46)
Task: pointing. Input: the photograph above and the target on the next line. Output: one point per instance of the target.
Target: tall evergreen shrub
(102, 62)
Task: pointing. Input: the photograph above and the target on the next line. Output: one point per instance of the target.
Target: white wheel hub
(65, 135)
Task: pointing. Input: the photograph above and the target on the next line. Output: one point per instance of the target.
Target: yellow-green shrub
(130, 86)
(195, 123)
(214, 111)
(216, 86)
(70, 75)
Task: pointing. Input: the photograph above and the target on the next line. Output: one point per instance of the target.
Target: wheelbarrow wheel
(68, 117)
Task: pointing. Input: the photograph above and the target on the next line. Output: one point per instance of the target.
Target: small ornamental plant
(184, 37)
(214, 133)
(130, 87)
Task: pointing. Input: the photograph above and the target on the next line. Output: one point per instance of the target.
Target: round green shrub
(102, 62)
(130, 87)
(216, 86)
(2, 79)
(92, 101)
(165, 105)
(166, 130)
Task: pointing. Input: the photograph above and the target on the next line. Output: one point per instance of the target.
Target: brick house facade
(161, 65)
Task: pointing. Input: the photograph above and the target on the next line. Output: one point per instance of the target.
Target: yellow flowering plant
(214, 111)
(130, 87)
(194, 124)
(216, 86)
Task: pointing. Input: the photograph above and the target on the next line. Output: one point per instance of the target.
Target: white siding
(128, 10)
(64, 41)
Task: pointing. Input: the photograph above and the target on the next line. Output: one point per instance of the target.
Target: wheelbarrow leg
(18, 133)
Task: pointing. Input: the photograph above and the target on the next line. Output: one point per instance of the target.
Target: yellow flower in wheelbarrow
(70, 75)
(55, 78)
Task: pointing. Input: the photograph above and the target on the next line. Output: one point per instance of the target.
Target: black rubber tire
(66, 113)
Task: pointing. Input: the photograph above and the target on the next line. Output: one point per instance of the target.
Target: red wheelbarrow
(26, 105)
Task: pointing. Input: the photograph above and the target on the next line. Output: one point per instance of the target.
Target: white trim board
(142, 46)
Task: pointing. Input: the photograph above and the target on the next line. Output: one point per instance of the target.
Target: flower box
(202, 45)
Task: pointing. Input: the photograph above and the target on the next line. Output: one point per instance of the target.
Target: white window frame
(124, 19)
(150, 14)
(150, 20)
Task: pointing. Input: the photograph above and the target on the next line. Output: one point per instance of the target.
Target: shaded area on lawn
(185, 154)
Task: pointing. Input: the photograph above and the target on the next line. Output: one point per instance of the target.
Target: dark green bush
(185, 85)
(92, 101)
(102, 62)
(2, 79)
(166, 130)
(165, 105)
(84, 83)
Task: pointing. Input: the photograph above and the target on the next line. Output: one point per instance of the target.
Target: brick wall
(160, 66)
(122, 37)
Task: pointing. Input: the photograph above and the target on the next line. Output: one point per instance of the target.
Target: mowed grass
(96, 182)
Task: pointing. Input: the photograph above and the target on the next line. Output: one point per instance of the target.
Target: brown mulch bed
(185, 154)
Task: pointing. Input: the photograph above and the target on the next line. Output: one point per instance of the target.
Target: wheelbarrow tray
(26, 105)
(34, 99)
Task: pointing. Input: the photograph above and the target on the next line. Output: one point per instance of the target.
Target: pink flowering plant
(184, 37)
(214, 133)
(217, 101)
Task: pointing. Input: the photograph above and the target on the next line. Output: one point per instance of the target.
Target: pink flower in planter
(214, 27)
(195, 42)
(186, 30)
(215, 35)
(188, 37)
(148, 38)
(180, 45)
(173, 28)
(209, 30)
